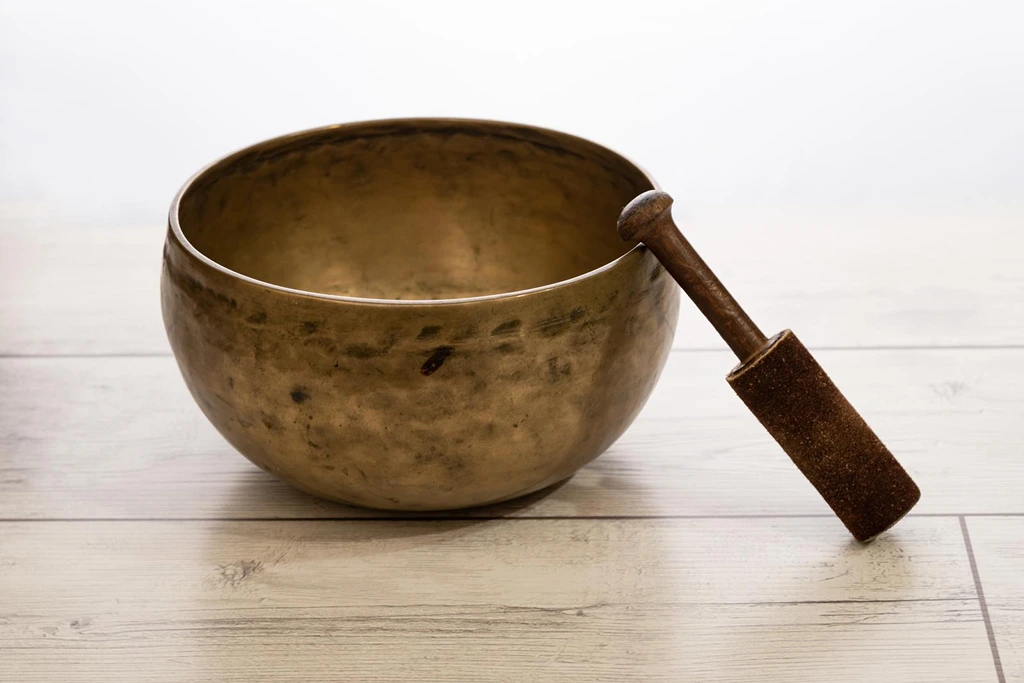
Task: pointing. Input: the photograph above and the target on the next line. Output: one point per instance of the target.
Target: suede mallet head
(785, 388)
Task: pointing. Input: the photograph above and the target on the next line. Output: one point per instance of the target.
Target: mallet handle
(648, 218)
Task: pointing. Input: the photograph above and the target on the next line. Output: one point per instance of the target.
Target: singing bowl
(416, 314)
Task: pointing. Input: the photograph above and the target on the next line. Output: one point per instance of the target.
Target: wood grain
(185, 593)
(998, 544)
(504, 600)
(94, 291)
(98, 438)
(80, 291)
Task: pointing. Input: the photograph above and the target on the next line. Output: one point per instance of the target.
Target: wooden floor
(135, 545)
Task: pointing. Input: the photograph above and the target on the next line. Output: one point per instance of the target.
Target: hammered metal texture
(416, 314)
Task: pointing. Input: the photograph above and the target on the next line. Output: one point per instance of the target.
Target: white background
(107, 106)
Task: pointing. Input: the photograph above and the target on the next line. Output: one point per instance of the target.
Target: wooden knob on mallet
(785, 388)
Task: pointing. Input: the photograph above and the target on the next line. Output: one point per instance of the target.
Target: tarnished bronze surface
(416, 314)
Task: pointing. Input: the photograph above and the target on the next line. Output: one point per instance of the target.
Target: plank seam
(981, 601)
(477, 518)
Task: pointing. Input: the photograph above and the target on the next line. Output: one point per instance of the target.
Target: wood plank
(507, 600)
(88, 291)
(998, 544)
(837, 279)
(121, 438)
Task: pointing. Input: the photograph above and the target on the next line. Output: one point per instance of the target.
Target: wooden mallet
(785, 388)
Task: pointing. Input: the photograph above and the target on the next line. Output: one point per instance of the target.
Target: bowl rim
(179, 235)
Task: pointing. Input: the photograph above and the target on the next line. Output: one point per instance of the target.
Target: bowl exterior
(425, 406)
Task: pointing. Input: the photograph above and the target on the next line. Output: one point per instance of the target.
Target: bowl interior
(413, 210)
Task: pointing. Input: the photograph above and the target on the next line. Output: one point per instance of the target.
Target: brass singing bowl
(416, 314)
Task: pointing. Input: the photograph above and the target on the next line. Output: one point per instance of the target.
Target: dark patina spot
(557, 324)
(257, 318)
(365, 351)
(309, 327)
(429, 332)
(558, 370)
(360, 351)
(508, 348)
(610, 302)
(508, 327)
(436, 360)
(299, 394)
(465, 333)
